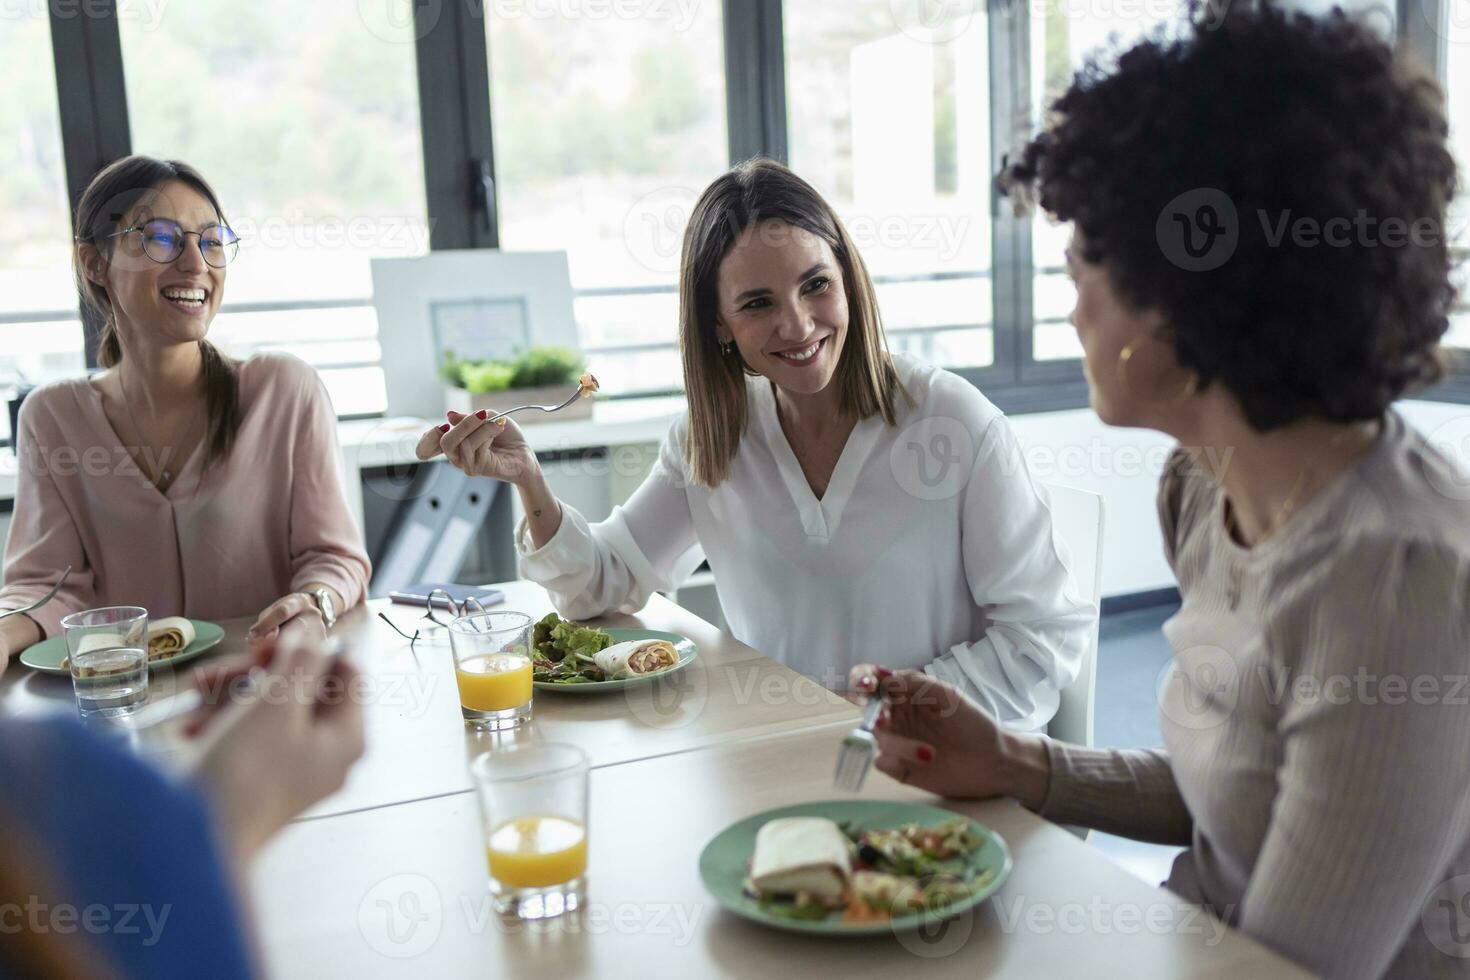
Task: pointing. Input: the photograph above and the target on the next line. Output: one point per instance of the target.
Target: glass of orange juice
(492, 666)
(533, 804)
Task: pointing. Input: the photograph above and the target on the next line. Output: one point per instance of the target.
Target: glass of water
(107, 651)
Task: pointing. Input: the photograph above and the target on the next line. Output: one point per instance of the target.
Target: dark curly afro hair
(1291, 117)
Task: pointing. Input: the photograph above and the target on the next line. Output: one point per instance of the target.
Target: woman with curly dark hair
(1257, 209)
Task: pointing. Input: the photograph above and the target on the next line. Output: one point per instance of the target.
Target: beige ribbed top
(1316, 719)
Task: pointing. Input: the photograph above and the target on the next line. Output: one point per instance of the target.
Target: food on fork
(588, 385)
(636, 658)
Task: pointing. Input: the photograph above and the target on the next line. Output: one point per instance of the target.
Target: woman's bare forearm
(543, 510)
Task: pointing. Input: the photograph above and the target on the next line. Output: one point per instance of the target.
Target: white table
(401, 891)
(387, 877)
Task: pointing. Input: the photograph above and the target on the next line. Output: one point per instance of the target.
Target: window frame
(1422, 27)
(452, 62)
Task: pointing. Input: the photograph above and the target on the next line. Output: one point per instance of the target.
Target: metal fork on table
(858, 748)
(583, 388)
(43, 600)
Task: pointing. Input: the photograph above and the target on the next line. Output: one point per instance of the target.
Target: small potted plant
(540, 376)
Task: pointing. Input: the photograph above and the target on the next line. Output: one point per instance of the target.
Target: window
(1457, 85)
(305, 118)
(1060, 44)
(40, 333)
(607, 121)
(606, 130)
(890, 122)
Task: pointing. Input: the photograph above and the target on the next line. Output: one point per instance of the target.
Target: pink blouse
(265, 521)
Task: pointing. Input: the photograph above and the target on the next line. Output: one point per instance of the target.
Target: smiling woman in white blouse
(853, 505)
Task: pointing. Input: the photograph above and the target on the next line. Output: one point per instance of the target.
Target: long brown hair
(755, 191)
(104, 205)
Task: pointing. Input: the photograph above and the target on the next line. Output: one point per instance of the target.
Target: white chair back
(1077, 523)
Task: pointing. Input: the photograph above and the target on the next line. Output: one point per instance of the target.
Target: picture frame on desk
(473, 302)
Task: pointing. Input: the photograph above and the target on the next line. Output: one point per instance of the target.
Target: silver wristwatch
(322, 599)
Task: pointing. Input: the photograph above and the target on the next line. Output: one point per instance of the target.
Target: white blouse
(932, 549)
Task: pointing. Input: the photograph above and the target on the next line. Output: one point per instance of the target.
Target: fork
(857, 750)
(583, 387)
(44, 599)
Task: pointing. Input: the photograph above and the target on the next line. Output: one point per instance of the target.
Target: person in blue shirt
(108, 867)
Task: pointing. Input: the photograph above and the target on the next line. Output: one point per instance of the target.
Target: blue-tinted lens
(162, 240)
(218, 243)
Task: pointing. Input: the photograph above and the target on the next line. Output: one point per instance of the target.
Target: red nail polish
(444, 427)
(924, 754)
(882, 672)
(482, 414)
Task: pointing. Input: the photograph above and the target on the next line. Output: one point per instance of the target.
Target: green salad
(562, 652)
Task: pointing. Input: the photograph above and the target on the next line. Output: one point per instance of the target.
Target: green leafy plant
(536, 368)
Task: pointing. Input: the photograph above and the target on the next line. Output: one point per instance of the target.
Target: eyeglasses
(164, 239)
(455, 612)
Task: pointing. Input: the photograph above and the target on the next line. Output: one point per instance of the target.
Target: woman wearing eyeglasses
(179, 479)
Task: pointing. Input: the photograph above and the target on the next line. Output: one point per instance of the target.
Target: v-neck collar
(819, 517)
(182, 484)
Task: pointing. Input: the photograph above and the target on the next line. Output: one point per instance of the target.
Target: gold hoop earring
(1126, 354)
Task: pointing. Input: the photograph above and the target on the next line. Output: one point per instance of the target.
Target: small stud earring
(727, 348)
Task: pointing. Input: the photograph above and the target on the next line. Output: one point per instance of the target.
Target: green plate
(682, 645)
(724, 864)
(47, 655)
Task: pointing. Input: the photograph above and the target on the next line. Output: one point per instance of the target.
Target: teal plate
(47, 655)
(682, 645)
(724, 864)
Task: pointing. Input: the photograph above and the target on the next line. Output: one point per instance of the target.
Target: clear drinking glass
(492, 666)
(533, 807)
(107, 652)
